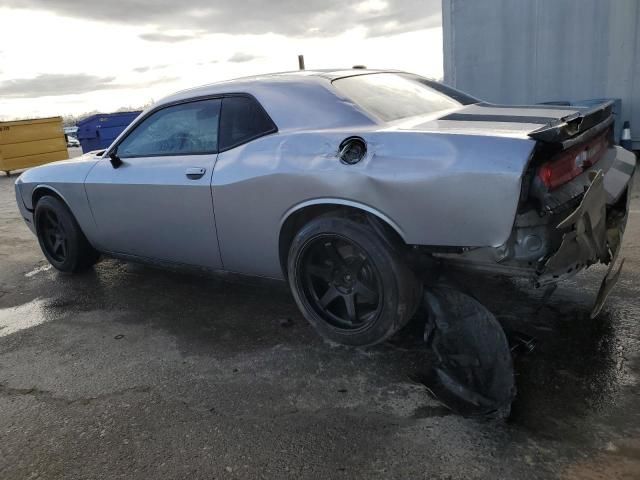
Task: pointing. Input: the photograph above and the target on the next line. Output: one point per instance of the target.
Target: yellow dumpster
(27, 143)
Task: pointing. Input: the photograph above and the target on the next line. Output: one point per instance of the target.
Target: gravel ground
(132, 372)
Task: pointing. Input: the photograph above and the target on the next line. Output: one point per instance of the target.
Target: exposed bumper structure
(556, 243)
(593, 232)
(585, 239)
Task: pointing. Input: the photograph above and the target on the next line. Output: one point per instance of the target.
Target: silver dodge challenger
(351, 185)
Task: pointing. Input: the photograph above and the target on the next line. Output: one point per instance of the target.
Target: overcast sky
(61, 57)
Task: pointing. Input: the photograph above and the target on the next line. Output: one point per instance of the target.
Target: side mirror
(115, 159)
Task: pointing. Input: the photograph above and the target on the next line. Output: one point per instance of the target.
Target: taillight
(567, 165)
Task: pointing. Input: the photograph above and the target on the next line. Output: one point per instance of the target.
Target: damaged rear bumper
(585, 238)
(583, 226)
(592, 233)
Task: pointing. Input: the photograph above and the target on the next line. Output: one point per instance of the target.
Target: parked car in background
(349, 185)
(72, 141)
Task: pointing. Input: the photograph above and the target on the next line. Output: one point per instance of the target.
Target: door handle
(194, 173)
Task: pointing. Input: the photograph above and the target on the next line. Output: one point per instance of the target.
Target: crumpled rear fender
(550, 245)
(435, 189)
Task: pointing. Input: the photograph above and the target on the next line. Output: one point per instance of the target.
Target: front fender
(66, 180)
(56, 175)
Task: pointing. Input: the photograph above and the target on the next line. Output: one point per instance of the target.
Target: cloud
(55, 85)
(241, 57)
(286, 17)
(148, 68)
(163, 37)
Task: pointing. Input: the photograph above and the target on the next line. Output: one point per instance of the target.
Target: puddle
(37, 270)
(620, 460)
(25, 316)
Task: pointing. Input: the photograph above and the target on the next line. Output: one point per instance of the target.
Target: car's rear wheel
(60, 237)
(350, 282)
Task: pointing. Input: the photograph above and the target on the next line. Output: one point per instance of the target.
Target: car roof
(294, 76)
(317, 104)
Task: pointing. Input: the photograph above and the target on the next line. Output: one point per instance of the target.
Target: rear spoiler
(577, 127)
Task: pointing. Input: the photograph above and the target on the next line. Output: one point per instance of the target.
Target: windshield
(393, 96)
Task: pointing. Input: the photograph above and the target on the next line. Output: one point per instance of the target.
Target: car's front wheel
(351, 282)
(60, 237)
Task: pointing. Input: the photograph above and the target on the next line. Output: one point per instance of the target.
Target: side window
(243, 119)
(184, 129)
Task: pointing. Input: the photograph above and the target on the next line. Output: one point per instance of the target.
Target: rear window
(393, 96)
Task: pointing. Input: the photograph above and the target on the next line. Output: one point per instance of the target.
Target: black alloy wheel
(350, 280)
(54, 237)
(340, 282)
(60, 237)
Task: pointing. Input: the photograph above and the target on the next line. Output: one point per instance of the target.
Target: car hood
(494, 120)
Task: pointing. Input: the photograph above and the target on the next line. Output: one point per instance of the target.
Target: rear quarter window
(242, 119)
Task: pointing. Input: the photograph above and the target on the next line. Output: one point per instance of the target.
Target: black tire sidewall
(76, 251)
(399, 285)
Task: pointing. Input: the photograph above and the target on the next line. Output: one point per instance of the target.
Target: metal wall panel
(530, 51)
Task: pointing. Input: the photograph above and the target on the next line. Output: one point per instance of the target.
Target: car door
(157, 203)
(246, 159)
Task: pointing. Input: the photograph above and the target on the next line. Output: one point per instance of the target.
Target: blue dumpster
(98, 131)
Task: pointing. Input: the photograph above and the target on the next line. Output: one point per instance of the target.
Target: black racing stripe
(470, 117)
(538, 106)
(624, 167)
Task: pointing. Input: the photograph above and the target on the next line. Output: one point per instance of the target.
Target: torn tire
(473, 369)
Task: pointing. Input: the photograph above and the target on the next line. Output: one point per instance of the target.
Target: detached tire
(351, 282)
(60, 237)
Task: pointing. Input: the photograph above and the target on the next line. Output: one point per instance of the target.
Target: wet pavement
(132, 372)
